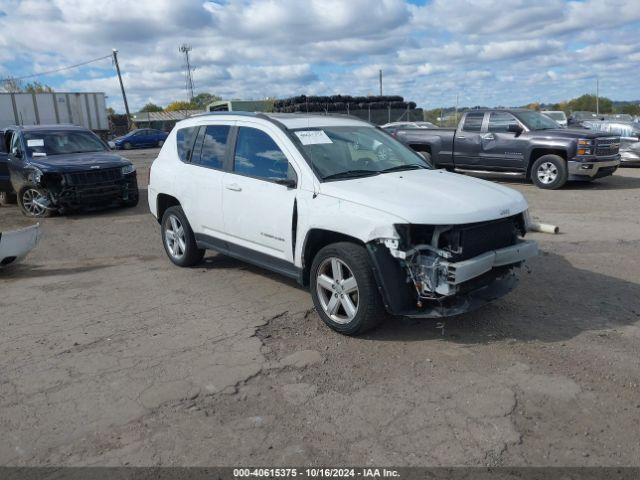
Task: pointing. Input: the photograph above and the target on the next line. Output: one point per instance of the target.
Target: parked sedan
(141, 138)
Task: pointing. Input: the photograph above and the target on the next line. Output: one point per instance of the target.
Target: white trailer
(88, 110)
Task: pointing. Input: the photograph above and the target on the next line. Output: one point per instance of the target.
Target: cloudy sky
(489, 52)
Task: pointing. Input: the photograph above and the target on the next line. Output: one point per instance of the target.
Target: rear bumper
(15, 244)
(589, 170)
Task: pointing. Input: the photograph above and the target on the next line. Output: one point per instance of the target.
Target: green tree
(151, 107)
(203, 99)
(180, 105)
(587, 103)
(631, 109)
(37, 87)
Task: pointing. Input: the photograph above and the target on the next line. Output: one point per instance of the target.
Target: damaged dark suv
(60, 168)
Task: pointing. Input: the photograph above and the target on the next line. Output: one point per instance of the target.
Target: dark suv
(48, 168)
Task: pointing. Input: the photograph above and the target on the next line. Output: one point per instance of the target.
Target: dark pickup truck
(517, 141)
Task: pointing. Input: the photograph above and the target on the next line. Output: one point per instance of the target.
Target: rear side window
(185, 137)
(257, 155)
(499, 121)
(214, 147)
(473, 122)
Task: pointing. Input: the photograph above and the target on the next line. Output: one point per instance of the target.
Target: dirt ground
(109, 355)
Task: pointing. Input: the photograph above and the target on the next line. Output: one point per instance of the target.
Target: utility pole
(597, 96)
(188, 78)
(124, 95)
(380, 82)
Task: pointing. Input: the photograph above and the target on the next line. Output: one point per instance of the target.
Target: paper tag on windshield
(313, 137)
(35, 142)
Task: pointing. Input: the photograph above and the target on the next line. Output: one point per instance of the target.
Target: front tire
(127, 146)
(30, 201)
(178, 239)
(344, 290)
(7, 198)
(549, 172)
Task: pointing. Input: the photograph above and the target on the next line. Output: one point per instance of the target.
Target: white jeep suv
(342, 207)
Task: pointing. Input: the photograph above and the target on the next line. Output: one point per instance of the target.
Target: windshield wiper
(398, 168)
(351, 174)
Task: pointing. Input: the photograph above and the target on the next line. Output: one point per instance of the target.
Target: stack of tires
(359, 106)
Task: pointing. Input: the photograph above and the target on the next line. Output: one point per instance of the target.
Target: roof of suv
(293, 121)
(32, 128)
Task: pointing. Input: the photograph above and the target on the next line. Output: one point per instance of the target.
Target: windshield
(349, 152)
(535, 121)
(62, 142)
(557, 116)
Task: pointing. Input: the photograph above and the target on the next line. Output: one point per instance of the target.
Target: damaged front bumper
(430, 282)
(16, 244)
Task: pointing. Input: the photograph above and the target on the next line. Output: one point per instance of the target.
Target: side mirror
(287, 182)
(515, 128)
(16, 152)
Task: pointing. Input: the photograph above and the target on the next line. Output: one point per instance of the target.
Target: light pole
(124, 95)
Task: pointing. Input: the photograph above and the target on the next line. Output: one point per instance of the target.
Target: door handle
(488, 136)
(461, 136)
(233, 186)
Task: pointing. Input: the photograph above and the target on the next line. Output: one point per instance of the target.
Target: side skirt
(259, 259)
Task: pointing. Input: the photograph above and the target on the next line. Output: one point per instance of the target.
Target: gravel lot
(110, 355)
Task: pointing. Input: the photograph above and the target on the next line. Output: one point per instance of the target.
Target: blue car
(140, 138)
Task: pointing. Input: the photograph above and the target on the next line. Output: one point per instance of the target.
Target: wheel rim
(337, 290)
(547, 173)
(175, 238)
(31, 198)
(160, 143)
(127, 146)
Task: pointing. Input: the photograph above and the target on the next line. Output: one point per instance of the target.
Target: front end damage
(86, 189)
(435, 271)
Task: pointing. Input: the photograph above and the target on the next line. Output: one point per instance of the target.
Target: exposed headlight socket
(128, 169)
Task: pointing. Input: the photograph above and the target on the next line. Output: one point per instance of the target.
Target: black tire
(25, 203)
(191, 255)
(370, 309)
(8, 198)
(556, 167)
(126, 146)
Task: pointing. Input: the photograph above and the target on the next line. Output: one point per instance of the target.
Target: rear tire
(344, 290)
(7, 198)
(549, 172)
(178, 239)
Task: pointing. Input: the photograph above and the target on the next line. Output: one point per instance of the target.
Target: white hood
(432, 197)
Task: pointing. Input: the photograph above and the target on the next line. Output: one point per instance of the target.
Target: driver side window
(499, 122)
(258, 156)
(15, 142)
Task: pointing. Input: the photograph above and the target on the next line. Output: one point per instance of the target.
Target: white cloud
(486, 51)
